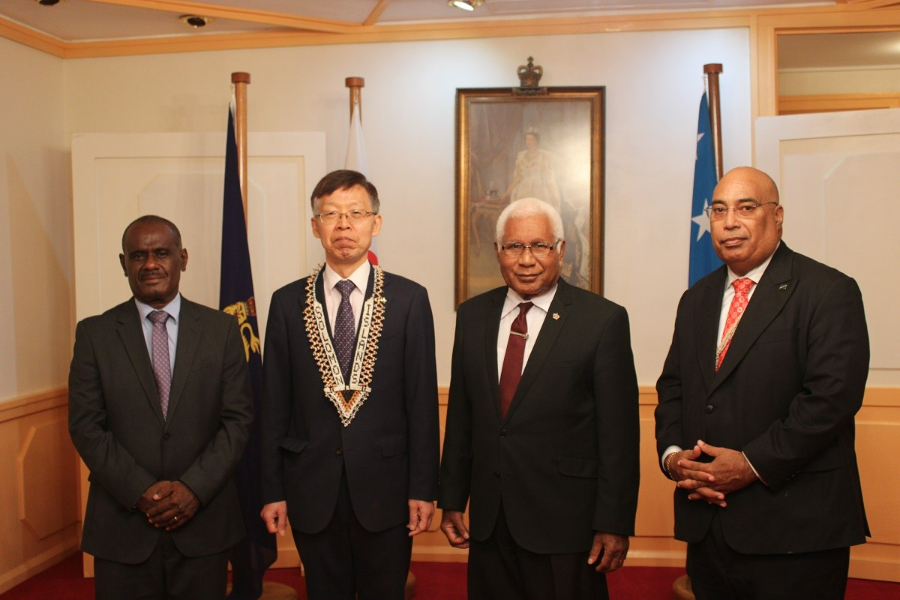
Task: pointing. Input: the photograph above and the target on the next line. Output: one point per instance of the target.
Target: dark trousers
(500, 569)
(719, 573)
(346, 559)
(166, 575)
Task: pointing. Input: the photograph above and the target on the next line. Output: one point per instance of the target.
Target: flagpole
(356, 84)
(241, 81)
(712, 71)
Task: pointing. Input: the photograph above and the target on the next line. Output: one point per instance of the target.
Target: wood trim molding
(16, 408)
(789, 105)
(33, 39)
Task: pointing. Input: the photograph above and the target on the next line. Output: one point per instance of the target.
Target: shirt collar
(513, 299)
(359, 277)
(173, 308)
(754, 274)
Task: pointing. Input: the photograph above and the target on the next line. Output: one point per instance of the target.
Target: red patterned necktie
(735, 312)
(514, 358)
(162, 371)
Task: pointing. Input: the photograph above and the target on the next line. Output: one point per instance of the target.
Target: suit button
(709, 408)
(497, 474)
(339, 451)
(167, 436)
(502, 433)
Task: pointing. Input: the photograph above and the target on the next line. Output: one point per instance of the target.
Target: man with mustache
(542, 425)
(350, 410)
(160, 410)
(766, 371)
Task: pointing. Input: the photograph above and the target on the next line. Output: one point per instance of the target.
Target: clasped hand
(728, 472)
(168, 504)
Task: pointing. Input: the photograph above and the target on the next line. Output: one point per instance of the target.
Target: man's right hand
(455, 529)
(152, 495)
(275, 516)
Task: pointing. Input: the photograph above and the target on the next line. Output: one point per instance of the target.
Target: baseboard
(39, 563)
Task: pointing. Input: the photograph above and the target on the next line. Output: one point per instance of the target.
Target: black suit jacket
(117, 427)
(390, 449)
(785, 395)
(564, 461)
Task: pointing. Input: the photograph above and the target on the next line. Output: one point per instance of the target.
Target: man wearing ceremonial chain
(350, 410)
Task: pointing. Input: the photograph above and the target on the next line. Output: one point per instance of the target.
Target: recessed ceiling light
(195, 21)
(469, 5)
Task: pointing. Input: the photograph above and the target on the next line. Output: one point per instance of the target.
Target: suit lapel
(132, 335)
(189, 334)
(773, 291)
(491, 325)
(543, 345)
(709, 309)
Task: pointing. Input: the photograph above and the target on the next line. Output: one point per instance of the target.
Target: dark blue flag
(703, 257)
(257, 551)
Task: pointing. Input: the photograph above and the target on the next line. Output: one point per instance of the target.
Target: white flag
(356, 161)
(356, 147)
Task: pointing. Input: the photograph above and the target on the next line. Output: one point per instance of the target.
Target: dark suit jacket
(390, 449)
(564, 461)
(785, 395)
(117, 427)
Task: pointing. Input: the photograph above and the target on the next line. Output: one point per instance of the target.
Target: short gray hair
(529, 207)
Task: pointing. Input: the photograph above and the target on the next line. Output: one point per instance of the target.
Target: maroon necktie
(514, 358)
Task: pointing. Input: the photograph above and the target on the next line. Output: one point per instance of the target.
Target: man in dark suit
(350, 411)
(766, 370)
(542, 425)
(159, 410)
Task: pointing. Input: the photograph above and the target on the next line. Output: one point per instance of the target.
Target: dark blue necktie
(344, 328)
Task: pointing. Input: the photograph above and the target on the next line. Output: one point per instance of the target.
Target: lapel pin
(782, 287)
(556, 316)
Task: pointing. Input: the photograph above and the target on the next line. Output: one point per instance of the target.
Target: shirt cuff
(752, 468)
(666, 453)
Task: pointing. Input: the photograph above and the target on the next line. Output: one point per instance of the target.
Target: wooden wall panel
(39, 512)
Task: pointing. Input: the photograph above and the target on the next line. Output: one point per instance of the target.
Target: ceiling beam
(238, 14)
(376, 12)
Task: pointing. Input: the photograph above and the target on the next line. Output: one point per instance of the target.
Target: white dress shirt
(174, 310)
(534, 319)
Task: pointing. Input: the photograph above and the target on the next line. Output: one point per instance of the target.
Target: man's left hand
(610, 549)
(175, 508)
(729, 470)
(420, 514)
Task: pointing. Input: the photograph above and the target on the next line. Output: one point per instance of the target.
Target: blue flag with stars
(703, 257)
(257, 551)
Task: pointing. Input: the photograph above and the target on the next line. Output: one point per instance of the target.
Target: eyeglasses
(717, 212)
(538, 249)
(353, 216)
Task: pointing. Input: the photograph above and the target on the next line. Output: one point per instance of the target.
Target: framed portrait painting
(547, 144)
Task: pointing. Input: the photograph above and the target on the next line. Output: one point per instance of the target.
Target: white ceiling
(74, 21)
(83, 20)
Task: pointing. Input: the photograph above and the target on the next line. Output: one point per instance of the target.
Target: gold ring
(175, 519)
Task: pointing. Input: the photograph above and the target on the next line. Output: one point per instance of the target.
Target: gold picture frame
(514, 143)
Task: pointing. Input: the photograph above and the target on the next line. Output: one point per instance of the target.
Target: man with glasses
(542, 425)
(757, 397)
(350, 411)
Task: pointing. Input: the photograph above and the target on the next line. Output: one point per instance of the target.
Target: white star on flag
(702, 221)
(699, 137)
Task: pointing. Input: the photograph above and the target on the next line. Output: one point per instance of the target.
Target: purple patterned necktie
(344, 328)
(161, 369)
